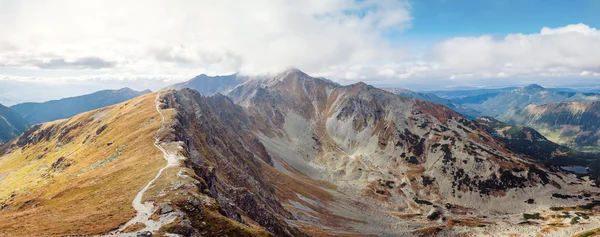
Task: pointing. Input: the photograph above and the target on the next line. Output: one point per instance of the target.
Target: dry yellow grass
(589, 233)
(94, 193)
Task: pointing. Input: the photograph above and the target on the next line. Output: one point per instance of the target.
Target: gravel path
(146, 209)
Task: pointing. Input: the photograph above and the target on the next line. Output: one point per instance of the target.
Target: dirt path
(146, 209)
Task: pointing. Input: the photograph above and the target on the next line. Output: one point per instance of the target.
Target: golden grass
(589, 233)
(134, 227)
(468, 222)
(211, 223)
(315, 231)
(86, 198)
(429, 231)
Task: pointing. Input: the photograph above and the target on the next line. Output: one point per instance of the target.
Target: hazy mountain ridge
(430, 97)
(573, 124)
(11, 124)
(493, 102)
(64, 108)
(208, 85)
(530, 95)
(531, 143)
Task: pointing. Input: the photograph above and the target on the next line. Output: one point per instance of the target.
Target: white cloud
(569, 52)
(559, 52)
(187, 37)
(119, 40)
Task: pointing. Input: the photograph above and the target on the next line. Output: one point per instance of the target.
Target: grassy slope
(86, 197)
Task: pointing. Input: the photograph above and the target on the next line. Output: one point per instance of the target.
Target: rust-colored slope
(79, 175)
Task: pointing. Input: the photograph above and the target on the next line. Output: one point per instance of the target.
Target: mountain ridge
(208, 85)
(569, 123)
(11, 124)
(464, 110)
(35, 112)
(494, 102)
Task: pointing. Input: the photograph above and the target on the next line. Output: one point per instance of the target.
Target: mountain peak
(293, 71)
(125, 89)
(360, 84)
(534, 87)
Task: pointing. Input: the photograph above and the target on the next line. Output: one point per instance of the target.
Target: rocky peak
(294, 71)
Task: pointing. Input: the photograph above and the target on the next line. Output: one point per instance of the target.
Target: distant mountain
(458, 94)
(11, 124)
(529, 142)
(497, 102)
(59, 109)
(576, 124)
(455, 95)
(430, 97)
(208, 85)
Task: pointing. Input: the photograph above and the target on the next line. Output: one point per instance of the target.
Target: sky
(53, 49)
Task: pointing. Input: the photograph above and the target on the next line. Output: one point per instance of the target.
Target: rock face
(228, 159)
(574, 124)
(11, 124)
(288, 155)
(396, 152)
(64, 108)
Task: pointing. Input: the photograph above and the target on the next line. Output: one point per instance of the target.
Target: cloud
(554, 52)
(80, 63)
(569, 52)
(344, 40)
(187, 37)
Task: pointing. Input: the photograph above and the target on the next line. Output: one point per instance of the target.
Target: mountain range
(531, 143)
(208, 85)
(575, 124)
(493, 102)
(283, 155)
(64, 108)
(11, 124)
(430, 97)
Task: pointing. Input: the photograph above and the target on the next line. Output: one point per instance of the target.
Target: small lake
(576, 169)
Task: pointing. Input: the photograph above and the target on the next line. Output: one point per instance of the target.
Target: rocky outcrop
(228, 159)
